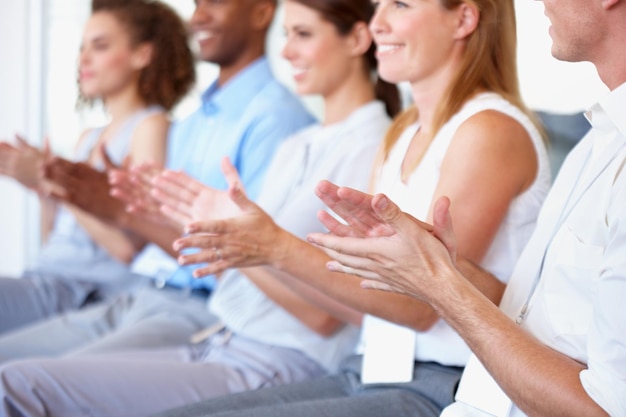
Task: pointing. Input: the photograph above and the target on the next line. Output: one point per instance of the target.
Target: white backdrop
(38, 90)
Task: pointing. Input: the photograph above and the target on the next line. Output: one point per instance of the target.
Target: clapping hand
(392, 250)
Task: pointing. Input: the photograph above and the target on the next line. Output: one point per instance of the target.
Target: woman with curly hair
(135, 59)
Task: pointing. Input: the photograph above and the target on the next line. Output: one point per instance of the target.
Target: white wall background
(38, 90)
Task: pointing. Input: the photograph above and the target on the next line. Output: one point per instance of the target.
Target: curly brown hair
(170, 73)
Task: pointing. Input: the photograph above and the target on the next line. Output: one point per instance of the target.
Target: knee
(17, 391)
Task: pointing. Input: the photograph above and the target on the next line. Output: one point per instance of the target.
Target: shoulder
(154, 124)
(276, 108)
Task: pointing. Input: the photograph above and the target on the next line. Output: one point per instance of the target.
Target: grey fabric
(564, 132)
(37, 296)
(138, 383)
(432, 389)
(144, 318)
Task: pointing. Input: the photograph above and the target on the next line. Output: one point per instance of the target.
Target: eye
(400, 4)
(302, 34)
(100, 46)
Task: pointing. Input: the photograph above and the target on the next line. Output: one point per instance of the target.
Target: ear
(142, 55)
(262, 14)
(468, 17)
(359, 39)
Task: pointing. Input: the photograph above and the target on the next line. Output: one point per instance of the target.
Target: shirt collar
(238, 90)
(608, 113)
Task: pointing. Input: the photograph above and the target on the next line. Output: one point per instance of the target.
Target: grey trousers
(146, 317)
(340, 395)
(35, 297)
(140, 383)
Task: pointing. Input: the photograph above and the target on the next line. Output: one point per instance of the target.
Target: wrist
(281, 249)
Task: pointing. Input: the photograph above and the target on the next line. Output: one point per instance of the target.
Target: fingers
(337, 266)
(353, 206)
(335, 227)
(47, 149)
(341, 246)
(178, 180)
(177, 216)
(205, 255)
(442, 225)
(214, 268)
(393, 217)
(202, 234)
(231, 174)
(171, 191)
(369, 284)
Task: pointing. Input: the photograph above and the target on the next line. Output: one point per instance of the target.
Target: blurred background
(39, 46)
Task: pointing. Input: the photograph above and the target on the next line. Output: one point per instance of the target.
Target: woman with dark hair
(134, 58)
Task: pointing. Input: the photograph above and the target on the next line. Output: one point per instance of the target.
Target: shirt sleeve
(262, 139)
(605, 377)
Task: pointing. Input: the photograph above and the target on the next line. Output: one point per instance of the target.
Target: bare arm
(148, 143)
(538, 379)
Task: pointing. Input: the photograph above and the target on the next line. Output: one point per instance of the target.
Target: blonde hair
(489, 63)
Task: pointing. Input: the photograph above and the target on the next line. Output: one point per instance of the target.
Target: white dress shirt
(575, 301)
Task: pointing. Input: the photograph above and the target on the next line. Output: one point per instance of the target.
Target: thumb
(240, 198)
(442, 225)
(387, 210)
(46, 146)
(127, 162)
(230, 173)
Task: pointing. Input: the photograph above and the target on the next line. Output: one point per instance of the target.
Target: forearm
(539, 380)
(312, 316)
(47, 209)
(307, 264)
(162, 235)
(113, 240)
(487, 283)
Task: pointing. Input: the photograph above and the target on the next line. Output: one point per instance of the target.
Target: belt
(195, 292)
(208, 332)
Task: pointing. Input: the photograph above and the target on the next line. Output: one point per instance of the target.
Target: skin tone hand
(24, 163)
(381, 249)
(185, 200)
(227, 220)
(412, 260)
(85, 187)
(134, 187)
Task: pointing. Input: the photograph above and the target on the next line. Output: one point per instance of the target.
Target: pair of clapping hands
(390, 249)
(25, 164)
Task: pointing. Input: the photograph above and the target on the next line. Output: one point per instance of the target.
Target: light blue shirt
(245, 119)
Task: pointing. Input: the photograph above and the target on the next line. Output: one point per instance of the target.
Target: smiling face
(221, 28)
(414, 39)
(108, 63)
(319, 55)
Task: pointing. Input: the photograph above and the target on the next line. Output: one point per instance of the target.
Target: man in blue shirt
(244, 115)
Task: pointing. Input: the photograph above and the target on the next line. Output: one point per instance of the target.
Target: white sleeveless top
(440, 343)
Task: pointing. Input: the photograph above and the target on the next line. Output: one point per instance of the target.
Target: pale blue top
(245, 119)
(70, 253)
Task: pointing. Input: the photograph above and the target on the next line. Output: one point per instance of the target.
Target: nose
(83, 55)
(378, 22)
(288, 50)
(200, 15)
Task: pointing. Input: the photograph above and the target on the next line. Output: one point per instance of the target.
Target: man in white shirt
(557, 346)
